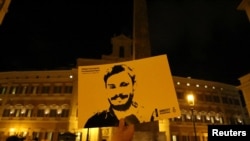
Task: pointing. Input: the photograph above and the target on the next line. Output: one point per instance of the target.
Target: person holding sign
(123, 132)
(120, 84)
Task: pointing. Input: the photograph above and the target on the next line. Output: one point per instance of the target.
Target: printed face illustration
(120, 90)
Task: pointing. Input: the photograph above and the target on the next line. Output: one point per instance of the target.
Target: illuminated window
(212, 119)
(12, 131)
(198, 117)
(204, 137)
(22, 134)
(32, 89)
(13, 90)
(59, 111)
(23, 112)
(218, 119)
(78, 136)
(12, 112)
(35, 89)
(188, 116)
(17, 112)
(207, 117)
(35, 135)
(48, 136)
(47, 111)
(239, 120)
(24, 89)
(174, 138)
(179, 118)
(3, 89)
(29, 113)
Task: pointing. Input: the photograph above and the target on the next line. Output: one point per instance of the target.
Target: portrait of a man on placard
(128, 90)
(120, 84)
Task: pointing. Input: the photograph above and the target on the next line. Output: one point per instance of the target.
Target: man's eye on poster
(139, 91)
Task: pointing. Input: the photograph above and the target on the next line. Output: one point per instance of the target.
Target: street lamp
(190, 99)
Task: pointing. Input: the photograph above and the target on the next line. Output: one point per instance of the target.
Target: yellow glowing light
(12, 129)
(59, 111)
(190, 99)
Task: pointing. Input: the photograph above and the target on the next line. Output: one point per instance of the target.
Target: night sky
(203, 39)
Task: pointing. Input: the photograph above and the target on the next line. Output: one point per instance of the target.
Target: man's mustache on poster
(122, 96)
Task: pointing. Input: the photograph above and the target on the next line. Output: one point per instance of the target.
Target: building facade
(215, 104)
(36, 103)
(43, 104)
(245, 88)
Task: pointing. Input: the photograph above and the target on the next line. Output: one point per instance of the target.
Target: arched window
(42, 111)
